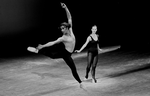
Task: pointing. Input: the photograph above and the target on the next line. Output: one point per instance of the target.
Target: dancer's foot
(94, 81)
(36, 51)
(85, 79)
(32, 49)
(81, 85)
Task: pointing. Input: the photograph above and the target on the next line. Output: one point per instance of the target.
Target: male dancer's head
(65, 27)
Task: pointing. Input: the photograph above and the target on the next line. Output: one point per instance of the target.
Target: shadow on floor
(129, 71)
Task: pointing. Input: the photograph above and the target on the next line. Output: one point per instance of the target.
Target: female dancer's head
(65, 27)
(94, 29)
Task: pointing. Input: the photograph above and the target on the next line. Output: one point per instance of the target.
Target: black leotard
(93, 46)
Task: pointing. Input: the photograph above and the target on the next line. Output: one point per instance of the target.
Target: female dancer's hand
(63, 5)
(100, 49)
(78, 51)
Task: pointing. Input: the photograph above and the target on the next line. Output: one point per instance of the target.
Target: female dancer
(68, 39)
(92, 53)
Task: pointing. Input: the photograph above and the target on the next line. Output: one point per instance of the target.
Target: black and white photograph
(74, 48)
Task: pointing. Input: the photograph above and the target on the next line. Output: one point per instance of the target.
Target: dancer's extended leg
(72, 66)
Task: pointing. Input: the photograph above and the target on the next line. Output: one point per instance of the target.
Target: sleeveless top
(93, 45)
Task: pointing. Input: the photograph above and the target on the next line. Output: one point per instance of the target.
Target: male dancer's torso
(69, 42)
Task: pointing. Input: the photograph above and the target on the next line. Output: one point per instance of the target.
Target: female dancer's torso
(93, 43)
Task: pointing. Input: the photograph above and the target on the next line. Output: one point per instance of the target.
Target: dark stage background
(26, 23)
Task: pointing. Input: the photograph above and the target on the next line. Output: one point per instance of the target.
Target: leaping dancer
(69, 41)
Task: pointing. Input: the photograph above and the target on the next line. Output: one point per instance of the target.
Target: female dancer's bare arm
(84, 45)
(99, 47)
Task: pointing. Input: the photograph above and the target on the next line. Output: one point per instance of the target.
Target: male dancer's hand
(63, 5)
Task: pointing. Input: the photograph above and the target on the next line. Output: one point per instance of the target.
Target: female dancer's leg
(95, 60)
(89, 63)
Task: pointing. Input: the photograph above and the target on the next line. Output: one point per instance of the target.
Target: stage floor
(118, 74)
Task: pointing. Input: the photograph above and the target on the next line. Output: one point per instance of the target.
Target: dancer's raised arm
(68, 13)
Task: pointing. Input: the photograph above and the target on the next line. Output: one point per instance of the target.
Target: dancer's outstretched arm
(99, 47)
(51, 43)
(84, 45)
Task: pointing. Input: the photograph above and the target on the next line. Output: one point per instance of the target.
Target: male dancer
(69, 41)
